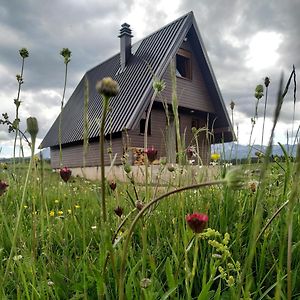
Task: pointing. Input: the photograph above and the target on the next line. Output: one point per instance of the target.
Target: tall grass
(55, 245)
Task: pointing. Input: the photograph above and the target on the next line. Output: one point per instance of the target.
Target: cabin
(200, 103)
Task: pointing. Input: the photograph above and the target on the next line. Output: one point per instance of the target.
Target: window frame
(187, 55)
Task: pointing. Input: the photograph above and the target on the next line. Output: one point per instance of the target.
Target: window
(143, 125)
(183, 64)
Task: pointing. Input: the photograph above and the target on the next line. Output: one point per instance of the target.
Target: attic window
(143, 125)
(183, 64)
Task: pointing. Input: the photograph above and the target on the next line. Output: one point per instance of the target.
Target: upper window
(183, 64)
(143, 126)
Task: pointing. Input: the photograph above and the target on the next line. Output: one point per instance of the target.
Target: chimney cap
(125, 30)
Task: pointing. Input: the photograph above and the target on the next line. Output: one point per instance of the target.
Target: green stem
(20, 213)
(102, 127)
(140, 214)
(60, 116)
(17, 112)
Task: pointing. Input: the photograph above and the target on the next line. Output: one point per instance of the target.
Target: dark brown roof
(151, 56)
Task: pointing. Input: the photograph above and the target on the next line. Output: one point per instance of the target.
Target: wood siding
(72, 155)
(158, 137)
(192, 94)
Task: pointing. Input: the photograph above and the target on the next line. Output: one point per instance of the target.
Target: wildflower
(197, 221)
(65, 174)
(252, 185)
(77, 206)
(94, 227)
(60, 212)
(50, 283)
(139, 204)
(69, 211)
(145, 282)
(151, 154)
(118, 211)
(17, 257)
(215, 156)
(51, 213)
(56, 201)
(112, 185)
(107, 87)
(3, 187)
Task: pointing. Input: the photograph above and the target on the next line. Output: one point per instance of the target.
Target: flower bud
(127, 168)
(215, 156)
(107, 87)
(259, 91)
(32, 127)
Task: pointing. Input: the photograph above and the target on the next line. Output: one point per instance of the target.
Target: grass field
(63, 249)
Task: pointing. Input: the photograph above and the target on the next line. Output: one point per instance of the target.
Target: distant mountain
(236, 151)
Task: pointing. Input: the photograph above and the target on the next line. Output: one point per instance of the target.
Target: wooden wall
(192, 93)
(73, 154)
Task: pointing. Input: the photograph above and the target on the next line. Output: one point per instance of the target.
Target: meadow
(232, 235)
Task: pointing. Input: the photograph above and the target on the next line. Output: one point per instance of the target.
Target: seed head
(139, 204)
(24, 52)
(66, 54)
(259, 91)
(235, 178)
(65, 174)
(107, 87)
(159, 85)
(197, 221)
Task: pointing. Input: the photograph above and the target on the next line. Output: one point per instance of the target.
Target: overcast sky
(245, 40)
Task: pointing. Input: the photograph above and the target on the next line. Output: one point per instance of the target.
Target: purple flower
(3, 187)
(151, 154)
(65, 174)
(197, 221)
(112, 185)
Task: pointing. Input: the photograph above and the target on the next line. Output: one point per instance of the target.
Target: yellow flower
(51, 213)
(56, 201)
(215, 156)
(77, 206)
(25, 206)
(60, 212)
(69, 211)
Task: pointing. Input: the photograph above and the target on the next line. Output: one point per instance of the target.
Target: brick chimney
(125, 43)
